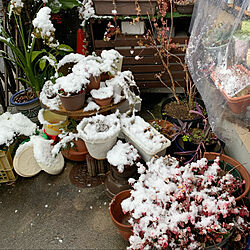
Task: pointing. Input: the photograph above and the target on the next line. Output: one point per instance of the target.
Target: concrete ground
(48, 212)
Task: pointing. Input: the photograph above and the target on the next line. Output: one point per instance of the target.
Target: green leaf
(69, 4)
(42, 64)
(35, 54)
(65, 48)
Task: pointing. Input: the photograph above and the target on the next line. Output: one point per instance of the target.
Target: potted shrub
(233, 83)
(184, 207)
(123, 159)
(144, 137)
(102, 96)
(99, 134)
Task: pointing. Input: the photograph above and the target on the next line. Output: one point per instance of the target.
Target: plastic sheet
(218, 57)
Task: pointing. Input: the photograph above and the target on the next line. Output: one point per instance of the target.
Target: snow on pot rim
(102, 93)
(98, 128)
(14, 124)
(122, 155)
(145, 136)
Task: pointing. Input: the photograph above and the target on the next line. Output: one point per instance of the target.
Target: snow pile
(91, 107)
(99, 127)
(86, 11)
(48, 91)
(12, 125)
(44, 28)
(144, 135)
(232, 80)
(122, 155)
(16, 7)
(102, 93)
(70, 58)
(173, 206)
(110, 60)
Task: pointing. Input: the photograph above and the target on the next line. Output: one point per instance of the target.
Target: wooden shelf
(79, 114)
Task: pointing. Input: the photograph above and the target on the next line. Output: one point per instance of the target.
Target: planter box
(237, 104)
(124, 7)
(146, 147)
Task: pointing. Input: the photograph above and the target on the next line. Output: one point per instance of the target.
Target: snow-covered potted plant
(233, 82)
(123, 159)
(188, 207)
(144, 137)
(99, 134)
(102, 96)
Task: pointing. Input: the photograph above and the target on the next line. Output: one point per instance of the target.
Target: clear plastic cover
(218, 57)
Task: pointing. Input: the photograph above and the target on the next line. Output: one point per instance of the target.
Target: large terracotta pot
(235, 164)
(77, 153)
(119, 218)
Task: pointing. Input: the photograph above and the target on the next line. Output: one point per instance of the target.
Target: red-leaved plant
(189, 207)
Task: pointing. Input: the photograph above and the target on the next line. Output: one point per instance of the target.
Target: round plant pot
(94, 83)
(74, 102)
(55, 122)
(235, 165)
(76, 153)
(103, 102)
(29, 109)
(99, 150)
(118, 217)
(218, 54)
(113, 186)
(171, 119)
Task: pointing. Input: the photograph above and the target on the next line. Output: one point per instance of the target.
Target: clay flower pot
(118, 217)
(94, 83)
(76, 153)
(102, 96)
(234, 164)
(73, 102)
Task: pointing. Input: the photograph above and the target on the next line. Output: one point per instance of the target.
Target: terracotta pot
(235, 164)
(94, 83)
(117, 215)
(166, 128)
(103, 102)
(236, 104)
(74, 102)
(29, 109)
(76, 153)
(105, 76)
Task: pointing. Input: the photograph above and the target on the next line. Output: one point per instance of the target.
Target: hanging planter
(99, 134)
(29, 108)
(117, 215)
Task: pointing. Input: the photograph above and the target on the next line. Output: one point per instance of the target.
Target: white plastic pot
(129, 28)
(98, 146)
(146, 150)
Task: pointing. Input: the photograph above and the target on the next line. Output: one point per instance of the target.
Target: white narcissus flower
(16, 7)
